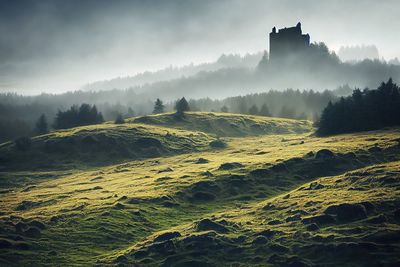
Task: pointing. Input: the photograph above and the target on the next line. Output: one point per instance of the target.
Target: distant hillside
(170, 73)
(227, 124)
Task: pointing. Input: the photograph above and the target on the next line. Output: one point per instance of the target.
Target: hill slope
(238, 205)
(228, 124)
(101, 144)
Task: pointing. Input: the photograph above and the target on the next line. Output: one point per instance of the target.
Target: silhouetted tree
(181, 106)
(119, 119)
(264, 111)
(41, 126)
(84, 115)
(287, 112)
(224, 109)
(158, 107)
(363, 110)
(253, 110)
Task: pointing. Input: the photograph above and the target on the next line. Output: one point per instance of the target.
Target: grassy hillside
(250, 203)
(101, 144)
(227, 124)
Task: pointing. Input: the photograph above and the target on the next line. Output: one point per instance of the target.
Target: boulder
(347, 212)
(202, 161)
(324, 154)
(207, 225)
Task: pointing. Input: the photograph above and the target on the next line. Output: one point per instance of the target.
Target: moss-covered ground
(283, 198)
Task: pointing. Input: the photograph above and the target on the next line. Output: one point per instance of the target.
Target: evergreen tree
(119, 119)
(264, 111)
(224, 109)
(158, 107)
(181, 106)
(253, 110)
(366, 110)
(41, 126)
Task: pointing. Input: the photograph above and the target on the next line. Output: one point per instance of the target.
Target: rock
(202, 161)
(269, 206)
(207, 173)
(32, 232)
(166, 170)
(218, 144)
(310, 154)
(319, 219)
(207, 225)
(324, 154)
(347, 212)
(267, 233)
(25, 205)
(315, 186)
(230, 165)
(274, 222)
(312, 227)
(119, 206)
(167, 236)
(293, 218)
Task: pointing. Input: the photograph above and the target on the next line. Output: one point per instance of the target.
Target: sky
(60, 45)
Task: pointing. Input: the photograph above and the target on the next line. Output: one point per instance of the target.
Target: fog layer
(54, 46)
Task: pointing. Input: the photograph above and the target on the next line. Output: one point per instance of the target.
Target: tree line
(362, 111)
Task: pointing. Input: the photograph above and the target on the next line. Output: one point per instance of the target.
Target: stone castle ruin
(287, 42)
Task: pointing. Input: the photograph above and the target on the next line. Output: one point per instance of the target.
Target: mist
(58, 46)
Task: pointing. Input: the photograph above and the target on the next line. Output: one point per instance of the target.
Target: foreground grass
(106, 214)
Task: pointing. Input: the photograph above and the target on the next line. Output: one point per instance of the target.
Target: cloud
(58, 45)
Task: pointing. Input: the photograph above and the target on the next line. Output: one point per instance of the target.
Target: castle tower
(287, 42)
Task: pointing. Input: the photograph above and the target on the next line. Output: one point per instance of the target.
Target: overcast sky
(59, 45)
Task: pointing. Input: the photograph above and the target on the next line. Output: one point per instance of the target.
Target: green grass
(227, 124)
(107, 213)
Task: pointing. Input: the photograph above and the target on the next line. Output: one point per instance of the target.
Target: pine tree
(253, 110)
(41, 126)
(264, 111)
(225, 109)
(158, 107)
(181, 106)
(119, 119)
